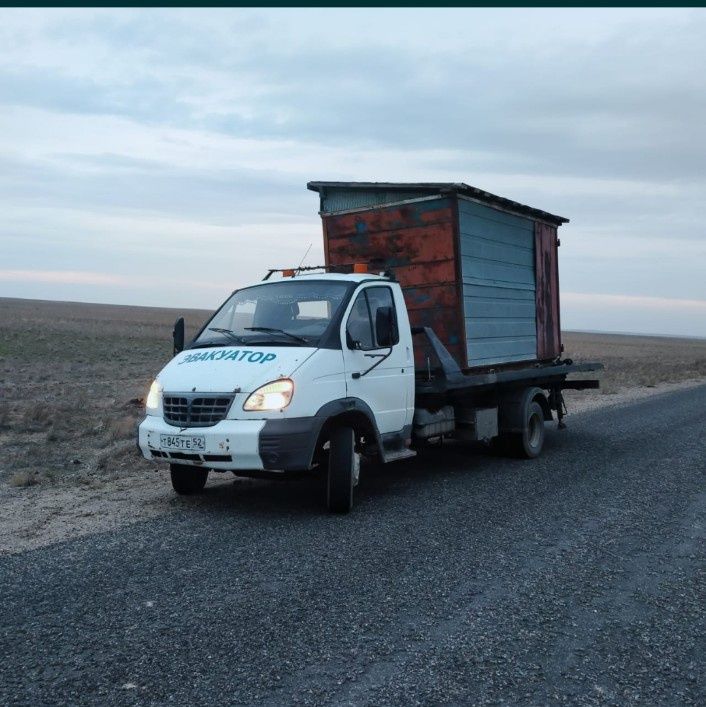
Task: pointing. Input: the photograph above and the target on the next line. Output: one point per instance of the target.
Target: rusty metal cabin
(481, 270)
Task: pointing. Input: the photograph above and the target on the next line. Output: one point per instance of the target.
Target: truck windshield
(289, 313)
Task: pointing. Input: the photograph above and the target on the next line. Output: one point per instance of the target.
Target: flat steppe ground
(73, 378)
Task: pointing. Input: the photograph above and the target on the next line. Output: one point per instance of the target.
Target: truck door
(383, 387)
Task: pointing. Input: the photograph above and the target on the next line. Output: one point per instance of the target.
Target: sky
(160, 157)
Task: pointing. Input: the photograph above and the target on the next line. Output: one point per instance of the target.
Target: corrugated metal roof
(428, 188)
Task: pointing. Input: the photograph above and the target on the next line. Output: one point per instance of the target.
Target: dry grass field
(72, 380)
(73, 377)
(638, 361)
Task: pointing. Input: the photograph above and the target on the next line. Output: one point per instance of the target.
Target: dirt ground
(635, 366)
(72, 382)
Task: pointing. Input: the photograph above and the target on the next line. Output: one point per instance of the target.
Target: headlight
(153, 404)
(273, 396)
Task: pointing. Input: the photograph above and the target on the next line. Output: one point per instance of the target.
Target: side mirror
(385, 326)
(178, 335)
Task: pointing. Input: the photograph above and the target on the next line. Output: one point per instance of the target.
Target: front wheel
(188, 480)
(341, 470)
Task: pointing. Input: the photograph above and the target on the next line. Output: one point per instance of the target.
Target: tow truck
(314, 370)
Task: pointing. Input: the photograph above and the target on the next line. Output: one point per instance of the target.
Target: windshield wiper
(272, 330)
(227, 332)
(208, 344)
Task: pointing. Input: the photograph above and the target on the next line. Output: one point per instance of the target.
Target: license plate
(184, 443)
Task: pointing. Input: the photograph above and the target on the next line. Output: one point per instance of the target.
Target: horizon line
(612, 332)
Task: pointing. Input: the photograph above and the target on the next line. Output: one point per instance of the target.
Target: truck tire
(188, 480)
(528, 443)
(341, 467)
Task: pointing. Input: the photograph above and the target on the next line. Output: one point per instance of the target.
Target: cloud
(186, 137)
(649, 303)
(624, 313)
(51, 277)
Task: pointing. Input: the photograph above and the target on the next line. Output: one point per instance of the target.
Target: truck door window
(360, 330)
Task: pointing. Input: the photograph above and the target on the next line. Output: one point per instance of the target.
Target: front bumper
(230, 445)
(239, 445)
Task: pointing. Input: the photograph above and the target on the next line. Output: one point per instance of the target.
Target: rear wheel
(188, 480)
(528, 443)
(342, 469)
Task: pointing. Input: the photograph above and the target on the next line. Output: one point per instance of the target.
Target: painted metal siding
(547, 268)
(497, 270)
(334, 200)
(416, 241)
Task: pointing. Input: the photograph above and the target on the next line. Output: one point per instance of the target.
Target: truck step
(397, 454)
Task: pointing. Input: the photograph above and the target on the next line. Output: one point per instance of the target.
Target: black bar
(579, 385)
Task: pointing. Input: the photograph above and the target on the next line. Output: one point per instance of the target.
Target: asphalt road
(459, 578)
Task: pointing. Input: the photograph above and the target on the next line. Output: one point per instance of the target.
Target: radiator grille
(197, 410)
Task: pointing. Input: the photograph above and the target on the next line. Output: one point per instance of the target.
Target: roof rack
(345, 269)
(292, 272)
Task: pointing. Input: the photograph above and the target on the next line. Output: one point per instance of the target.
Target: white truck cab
(287, 375)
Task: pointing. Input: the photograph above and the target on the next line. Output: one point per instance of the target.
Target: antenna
(301, 262)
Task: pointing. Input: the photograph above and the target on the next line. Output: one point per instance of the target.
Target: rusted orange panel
(415, 234)
(428, 273)
(547, 291)
(399, 247)
(426, 296)
(389, 218)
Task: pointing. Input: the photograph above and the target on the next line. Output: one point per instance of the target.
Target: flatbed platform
(447, 377)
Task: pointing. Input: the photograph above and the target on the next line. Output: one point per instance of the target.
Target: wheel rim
(355, 467)
(535, 430)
